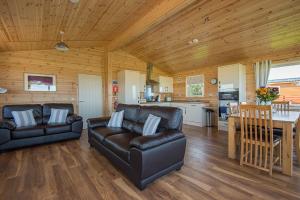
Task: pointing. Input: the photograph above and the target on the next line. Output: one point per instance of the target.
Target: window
(287, 78)
(195, 86)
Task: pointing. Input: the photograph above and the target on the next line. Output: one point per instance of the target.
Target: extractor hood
(149, 80)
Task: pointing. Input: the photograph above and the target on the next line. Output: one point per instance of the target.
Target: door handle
(81, 101)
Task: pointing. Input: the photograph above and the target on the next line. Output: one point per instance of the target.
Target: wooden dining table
(285, 120)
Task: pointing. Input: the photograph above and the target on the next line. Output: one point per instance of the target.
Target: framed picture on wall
(39, 82)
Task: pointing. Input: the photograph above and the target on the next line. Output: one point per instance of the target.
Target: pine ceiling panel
(226, 30)
(39, 21)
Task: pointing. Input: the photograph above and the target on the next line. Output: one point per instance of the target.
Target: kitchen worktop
(192, 102)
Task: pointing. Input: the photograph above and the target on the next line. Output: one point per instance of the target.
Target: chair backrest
(256, 135)
(281, 105)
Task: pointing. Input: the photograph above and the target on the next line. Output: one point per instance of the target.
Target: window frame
(188, 85)
(293, 106)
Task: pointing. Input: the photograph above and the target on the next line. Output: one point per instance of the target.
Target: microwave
(230, 95)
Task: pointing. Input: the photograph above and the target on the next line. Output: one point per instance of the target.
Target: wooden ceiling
(227, 30)
(157, 31)
(35, 24)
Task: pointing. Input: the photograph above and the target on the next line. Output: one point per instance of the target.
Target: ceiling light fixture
(74, 1)
(194, 41)
(3, 90)
(61, 46)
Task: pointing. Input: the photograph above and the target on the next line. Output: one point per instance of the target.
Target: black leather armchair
(142, 158)
(12, 137)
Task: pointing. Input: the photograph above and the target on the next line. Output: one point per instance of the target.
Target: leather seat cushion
(120, 144)
(101, 133)
(28, 132)
(57, 128)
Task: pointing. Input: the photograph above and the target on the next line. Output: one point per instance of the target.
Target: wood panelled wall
(122, 60)
(210, 72)
(65, 65)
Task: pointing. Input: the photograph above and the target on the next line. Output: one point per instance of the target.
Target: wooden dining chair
(281, 105)
(297, 140)
(234, 109)
(257, 140)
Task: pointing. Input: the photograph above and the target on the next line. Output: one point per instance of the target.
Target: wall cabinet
(231, 77)
(165, 84)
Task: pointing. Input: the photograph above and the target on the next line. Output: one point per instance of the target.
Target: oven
(232, 95)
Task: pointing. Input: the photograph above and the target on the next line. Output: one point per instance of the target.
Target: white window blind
(195, 86)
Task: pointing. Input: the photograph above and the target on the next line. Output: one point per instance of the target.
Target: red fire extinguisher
(115, 89)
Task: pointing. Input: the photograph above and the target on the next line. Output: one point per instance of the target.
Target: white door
(90, 97)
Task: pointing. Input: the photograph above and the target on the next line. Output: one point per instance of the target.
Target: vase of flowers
(266, 95)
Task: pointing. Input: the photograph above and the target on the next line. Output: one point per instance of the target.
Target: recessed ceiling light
(194, 41)
(74, 1)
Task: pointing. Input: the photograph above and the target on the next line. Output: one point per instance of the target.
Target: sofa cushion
(128, 124)
(47, 109)
(28, 132)
(24, 118)
(37, 111)
(131, 112)
(171, 118)
(120, 144)
(58, 116)
(138, 128)
(116, 119)
(151, 125)
(57, 128)
(101, 133)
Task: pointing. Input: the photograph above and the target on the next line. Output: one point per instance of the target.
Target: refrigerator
(129, 87)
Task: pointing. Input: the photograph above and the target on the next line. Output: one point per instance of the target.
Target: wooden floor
(72, 170)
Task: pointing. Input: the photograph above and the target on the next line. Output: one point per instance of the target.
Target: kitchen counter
(193, 111)
(186, 102)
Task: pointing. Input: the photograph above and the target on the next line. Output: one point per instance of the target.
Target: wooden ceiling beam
(155, 16)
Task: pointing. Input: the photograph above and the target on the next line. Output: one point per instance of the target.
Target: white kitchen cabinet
(142, 82)
(129, 91)
(231, 77)
(193, 113)
(232, 84)
(183, 108)
(165, 84)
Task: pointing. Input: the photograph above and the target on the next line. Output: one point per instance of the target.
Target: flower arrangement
(267, 94)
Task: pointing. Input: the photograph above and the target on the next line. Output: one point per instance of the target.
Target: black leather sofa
(142, 158)
(12, 137)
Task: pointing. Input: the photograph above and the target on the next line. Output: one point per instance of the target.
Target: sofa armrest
(4, 136)
(7, 124)
(150, 141)
(97, 122)
(73, 118)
